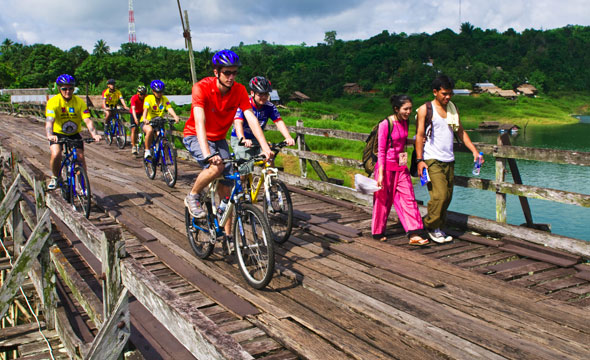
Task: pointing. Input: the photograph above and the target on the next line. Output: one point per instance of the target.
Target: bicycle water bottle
(222, 206)
(477, 164)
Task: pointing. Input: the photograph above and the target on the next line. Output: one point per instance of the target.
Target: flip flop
(418, 241)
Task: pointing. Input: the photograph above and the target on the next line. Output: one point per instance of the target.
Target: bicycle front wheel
(120, 134)
(254, 246)
(80, 193)
(278, 208)
(169, 167)
(65, 186)
(150, 166)
(198, 234)
(108, 134)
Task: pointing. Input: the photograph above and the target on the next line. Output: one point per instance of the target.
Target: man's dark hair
(443, 82)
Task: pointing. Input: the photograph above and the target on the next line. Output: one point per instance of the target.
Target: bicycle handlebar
(74, 141)
(160, 121)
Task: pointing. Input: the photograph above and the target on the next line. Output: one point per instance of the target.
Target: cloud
(225, 23)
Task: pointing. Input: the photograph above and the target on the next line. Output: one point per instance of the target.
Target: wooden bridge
(125, 281)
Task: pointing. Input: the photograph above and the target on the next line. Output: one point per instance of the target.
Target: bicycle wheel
(150, 166)
(120, 134)
(169, 166)
(65, 187)
(80, 193)
(108, 135)
(254, 246)
(278, 208)
(200, 240)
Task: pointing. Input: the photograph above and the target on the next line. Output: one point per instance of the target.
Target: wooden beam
(9, 202)
(79, 288)
(112, 250)
(24, 262)
(75, 347)
(113, 335)
(195, 331)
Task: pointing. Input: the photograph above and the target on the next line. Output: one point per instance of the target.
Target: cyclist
(264, 110)
(64, 115)
(215, 100)
(153, 106)
(136, 111)
(110, 97)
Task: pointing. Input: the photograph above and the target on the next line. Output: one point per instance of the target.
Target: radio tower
(131, 23)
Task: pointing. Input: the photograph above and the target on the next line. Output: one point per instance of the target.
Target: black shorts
(132, 122)
(73, 137)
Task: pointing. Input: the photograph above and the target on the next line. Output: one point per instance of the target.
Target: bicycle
(74, 183)
(162, 153)
(251, 232)
(118, 130)
(277, 203)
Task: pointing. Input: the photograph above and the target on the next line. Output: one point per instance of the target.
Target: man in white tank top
(434, 151)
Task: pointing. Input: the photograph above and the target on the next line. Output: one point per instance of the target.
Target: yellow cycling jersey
(155, 109)
(67, 115)
(111, 98)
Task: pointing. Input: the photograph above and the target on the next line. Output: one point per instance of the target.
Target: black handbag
(414, 164)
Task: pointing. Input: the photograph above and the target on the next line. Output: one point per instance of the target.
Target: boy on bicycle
(110, 98)
(264, 110)
(64, 114)
(136, 111)
(215, 101)
(154, 106)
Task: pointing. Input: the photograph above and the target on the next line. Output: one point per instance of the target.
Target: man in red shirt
(136, 112)
(214, 104)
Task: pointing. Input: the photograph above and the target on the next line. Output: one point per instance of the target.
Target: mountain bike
(163, 154)
(74, 182)
(251, 232)
(277, 203)
(113, 127)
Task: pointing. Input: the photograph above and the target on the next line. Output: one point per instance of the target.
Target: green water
(567, 220)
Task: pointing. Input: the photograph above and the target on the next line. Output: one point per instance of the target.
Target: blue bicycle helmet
(157, 85)
(226, 58)
(65, 79)
(260, 84)
(111, 81)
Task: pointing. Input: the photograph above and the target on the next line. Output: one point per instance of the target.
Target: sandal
(418, 241)
(380, 237)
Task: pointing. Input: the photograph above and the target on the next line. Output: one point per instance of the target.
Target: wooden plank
(543, 276)
(9, 201)
(474, 238)
(113, 335)
(560, 261)
(24, 262)
(585, 275)
(74, 346)
(510, 240)
(195, 331)
(484, 261)
(81, 291)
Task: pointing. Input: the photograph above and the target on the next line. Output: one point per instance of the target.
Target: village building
(299, 97)
(527, 90)
(352, 88)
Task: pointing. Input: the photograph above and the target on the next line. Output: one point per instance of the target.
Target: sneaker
(53, 183)
(194, 206)
(134, 150)
(147, 154)
(439, 236)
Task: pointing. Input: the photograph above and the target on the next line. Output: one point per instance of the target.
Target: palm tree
(467, 29)
(101, 48)
(6, 44)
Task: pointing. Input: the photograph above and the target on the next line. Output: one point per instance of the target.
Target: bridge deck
(337, 294)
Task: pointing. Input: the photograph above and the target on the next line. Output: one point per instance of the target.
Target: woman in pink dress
(393, 176)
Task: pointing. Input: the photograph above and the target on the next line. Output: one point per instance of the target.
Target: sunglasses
(229, 72)
(66, 89)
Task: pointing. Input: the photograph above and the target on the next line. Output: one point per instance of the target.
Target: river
(567, 220)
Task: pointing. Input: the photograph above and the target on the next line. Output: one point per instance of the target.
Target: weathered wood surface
(360, 298)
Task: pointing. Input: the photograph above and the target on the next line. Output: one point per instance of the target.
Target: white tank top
(440, 144)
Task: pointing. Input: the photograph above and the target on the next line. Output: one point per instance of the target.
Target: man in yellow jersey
(153, 106)
(110, 97)
(64, 115)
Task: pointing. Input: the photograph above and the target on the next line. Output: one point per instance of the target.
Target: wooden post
(500, 197)
(112, 250)
(524, 203)
(189, 43)
(18, 236)
(301, 147)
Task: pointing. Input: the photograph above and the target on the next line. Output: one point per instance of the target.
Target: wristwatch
(418, 160)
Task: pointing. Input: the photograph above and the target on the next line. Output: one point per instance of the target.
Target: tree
(467, 29)
(101, 48)
(6, 44)
(330, 37)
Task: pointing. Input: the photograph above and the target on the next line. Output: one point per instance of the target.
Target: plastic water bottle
(477, 164)
(222, 206)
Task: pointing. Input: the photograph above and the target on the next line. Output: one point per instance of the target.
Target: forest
(551, 60)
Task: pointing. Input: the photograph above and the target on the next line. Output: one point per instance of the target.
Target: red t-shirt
(219, 110)
(138, 103)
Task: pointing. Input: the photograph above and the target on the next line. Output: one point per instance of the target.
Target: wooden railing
(39, 259)
(503, 154)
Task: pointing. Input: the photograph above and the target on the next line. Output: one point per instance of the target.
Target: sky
(219, 24)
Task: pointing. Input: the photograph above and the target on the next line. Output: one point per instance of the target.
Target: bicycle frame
(265, 174)
(70, 158)
(158, 146)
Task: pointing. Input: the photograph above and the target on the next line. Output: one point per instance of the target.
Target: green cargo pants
(440, 188)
